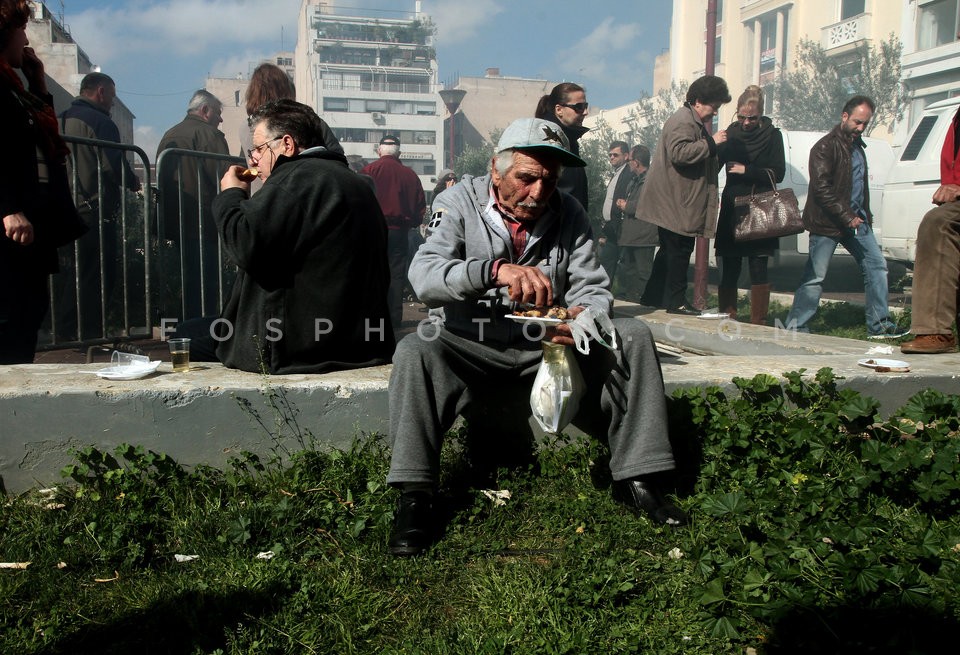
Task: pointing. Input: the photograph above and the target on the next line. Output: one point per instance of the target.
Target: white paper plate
(713, 315)
(539, 320)
(897, 365)
(128, 372)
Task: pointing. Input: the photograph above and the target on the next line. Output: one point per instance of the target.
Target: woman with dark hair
(754, 147)
(566, 105)
(680, 193)
(35, 203)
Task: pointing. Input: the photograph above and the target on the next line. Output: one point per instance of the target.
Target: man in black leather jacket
(838, 212)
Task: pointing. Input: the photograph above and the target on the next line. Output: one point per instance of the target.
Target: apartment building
(757, 39)
(492, 102)
(373, 74)
(931, 56)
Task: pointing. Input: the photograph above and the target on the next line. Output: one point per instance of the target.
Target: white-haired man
(199, 179)
(497, 242)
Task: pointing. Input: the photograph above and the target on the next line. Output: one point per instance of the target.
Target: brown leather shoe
(930, 344)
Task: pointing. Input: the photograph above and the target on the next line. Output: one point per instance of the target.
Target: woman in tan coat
(680, 193)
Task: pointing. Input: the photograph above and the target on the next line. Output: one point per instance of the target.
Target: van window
(918, 138)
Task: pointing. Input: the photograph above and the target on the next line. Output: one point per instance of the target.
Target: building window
(851, 8)
(334, 104)
(937, 24)
(719, 11)
(716, 50)
(851, 71)
(768, 49)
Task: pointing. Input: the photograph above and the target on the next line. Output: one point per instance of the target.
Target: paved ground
(841, 289)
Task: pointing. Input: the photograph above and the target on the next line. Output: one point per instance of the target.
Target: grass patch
(817, 527)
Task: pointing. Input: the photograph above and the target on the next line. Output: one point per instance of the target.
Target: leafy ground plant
(818, 527)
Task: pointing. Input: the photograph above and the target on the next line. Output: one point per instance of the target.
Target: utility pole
(702, 249)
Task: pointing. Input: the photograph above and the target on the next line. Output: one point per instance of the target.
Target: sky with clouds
(160, 51)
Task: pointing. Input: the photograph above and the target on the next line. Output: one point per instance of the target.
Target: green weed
(816, 526)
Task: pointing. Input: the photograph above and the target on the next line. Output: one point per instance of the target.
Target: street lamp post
(452, 99)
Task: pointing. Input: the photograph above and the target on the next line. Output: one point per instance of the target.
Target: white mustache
(533, 204)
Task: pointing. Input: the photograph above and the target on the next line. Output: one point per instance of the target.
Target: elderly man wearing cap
(496, 243)
(402, 201)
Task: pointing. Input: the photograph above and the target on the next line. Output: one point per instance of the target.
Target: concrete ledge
(205, 416)
(210, 414)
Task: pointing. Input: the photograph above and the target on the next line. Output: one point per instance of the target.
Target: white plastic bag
(557, 389)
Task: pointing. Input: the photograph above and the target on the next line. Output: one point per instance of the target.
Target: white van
(796, 149)
(912, 181)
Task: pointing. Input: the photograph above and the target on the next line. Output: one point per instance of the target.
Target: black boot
(643, 496)
(413, 526)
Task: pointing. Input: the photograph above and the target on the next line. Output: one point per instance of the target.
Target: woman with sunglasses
(566, 105)
(754, 146)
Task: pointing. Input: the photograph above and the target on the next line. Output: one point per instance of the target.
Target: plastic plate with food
(537, 320)
(885, 365)
(540, 315)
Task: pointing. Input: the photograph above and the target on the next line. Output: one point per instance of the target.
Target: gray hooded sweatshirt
(451, 272)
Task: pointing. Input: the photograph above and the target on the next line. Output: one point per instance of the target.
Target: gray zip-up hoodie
(451, 272)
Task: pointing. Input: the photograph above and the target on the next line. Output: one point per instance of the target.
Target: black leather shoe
(683, 310)
(412, 531)
(642, 496)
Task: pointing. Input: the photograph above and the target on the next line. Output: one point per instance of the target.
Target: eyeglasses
(748, 119)
(578, 107)
(257, 149)
(616, 154)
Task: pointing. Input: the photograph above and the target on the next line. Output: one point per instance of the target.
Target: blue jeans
(865, 250)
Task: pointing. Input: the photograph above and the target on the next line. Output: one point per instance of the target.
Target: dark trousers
(203, 346)
(23, 304)
(667, 286)
(398, 245)
(200, 294)
(82, 269)
(609, 256)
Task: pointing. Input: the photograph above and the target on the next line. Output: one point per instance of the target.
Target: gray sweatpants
(435, 380)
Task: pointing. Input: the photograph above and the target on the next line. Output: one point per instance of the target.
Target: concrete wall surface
(207, 415)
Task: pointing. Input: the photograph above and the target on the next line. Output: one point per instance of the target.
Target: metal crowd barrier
(144, 275)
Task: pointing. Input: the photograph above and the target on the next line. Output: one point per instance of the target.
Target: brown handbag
(767, 215)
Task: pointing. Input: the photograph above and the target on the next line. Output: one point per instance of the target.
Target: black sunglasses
(579, 107)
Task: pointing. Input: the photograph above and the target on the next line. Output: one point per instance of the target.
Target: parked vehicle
(912, 181)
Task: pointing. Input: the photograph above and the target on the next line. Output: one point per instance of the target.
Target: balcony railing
(846, 32)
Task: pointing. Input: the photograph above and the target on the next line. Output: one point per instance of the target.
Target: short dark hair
(641, 154)
(93, 81)
(285, 116)
(622, 145)
(708, 90)
(856, 101)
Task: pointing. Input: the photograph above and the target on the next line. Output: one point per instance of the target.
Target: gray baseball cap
(538, 134)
